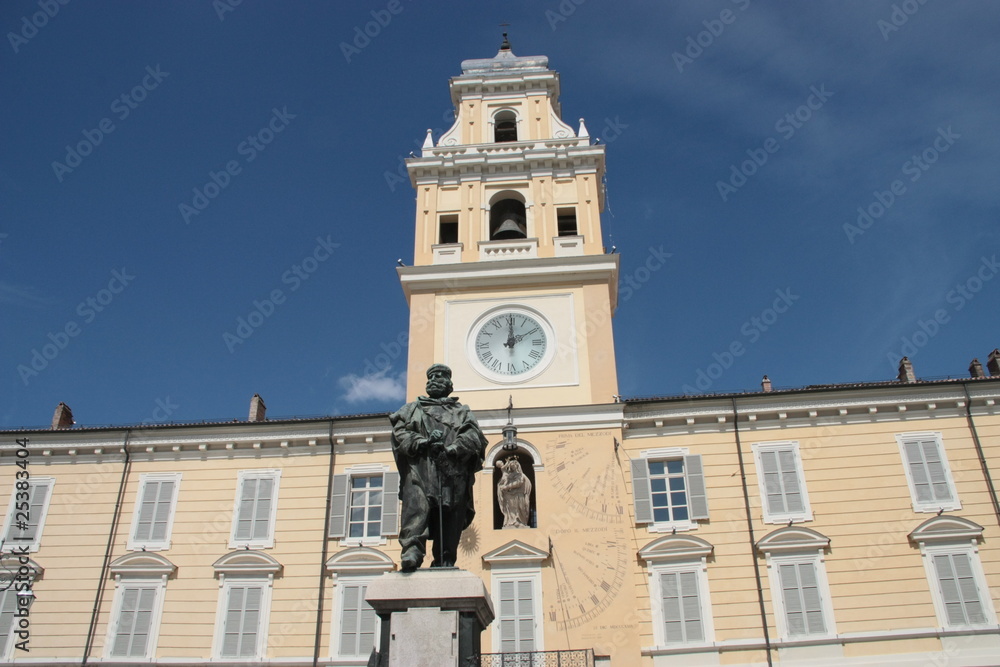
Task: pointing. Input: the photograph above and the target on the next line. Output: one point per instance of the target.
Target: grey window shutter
(772, 481)
(134, 622)
(925, 462)
(390, 504)
(357, 622)
(8, 605)
(791, 594)
(811, 603)
(262, 510)
(244, 514)
(958, 589)
(234, 622)
(525, 616)
(691, 607)
(338, 507)
(790, 480)
(670, 598)
(508, 617)
(161, 517)
(38, 496)
(147, 508)
(697, 498)
(251, 621)
(641, 499)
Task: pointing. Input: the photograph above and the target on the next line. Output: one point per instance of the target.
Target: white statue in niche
(513, 494)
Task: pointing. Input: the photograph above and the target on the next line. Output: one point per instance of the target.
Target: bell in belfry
(507, 221)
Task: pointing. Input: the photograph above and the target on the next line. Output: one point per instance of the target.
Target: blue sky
(742, 137)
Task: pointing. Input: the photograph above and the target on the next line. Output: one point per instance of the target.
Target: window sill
(928, 508)
(785, 518)
(363, 542)
(677, 526)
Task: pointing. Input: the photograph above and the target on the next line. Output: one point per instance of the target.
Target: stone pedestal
(430, 617)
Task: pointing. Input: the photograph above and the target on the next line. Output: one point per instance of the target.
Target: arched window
(508, 220)
(514, 490)
(505, 126)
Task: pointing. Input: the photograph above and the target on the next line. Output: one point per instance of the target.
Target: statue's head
(439, 381)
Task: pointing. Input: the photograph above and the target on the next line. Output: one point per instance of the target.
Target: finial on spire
(505, 45)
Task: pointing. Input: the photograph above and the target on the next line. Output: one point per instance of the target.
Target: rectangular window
(669, 491)
(681, 607)
(448, 229)
(961, 593)
(153, 517)
(364, 506)
(516, 617)
(782, 482)
(242, 621)
(801, 598)
(134, 621)
(256, 509)
(566, 221)
(927, 473)
(358, 622)
(27, 511)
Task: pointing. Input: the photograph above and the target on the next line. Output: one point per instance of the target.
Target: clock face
(511, 345)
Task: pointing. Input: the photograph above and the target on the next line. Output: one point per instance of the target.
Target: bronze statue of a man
(438, 447)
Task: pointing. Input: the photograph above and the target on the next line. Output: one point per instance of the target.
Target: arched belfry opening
(505, 126)
(514, 490)
(508, 220)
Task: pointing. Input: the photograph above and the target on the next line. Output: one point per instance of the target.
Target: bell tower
(510, 284)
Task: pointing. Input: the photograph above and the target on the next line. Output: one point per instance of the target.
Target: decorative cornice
(359, 559)
(142, 563)
(946, 528)
(247, 562)
(675, 547)
(792, 538)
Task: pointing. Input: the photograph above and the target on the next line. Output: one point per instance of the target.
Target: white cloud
(381, 387)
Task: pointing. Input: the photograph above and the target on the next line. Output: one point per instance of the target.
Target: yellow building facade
(832, 525)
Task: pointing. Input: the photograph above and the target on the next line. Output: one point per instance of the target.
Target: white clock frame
(517, 309)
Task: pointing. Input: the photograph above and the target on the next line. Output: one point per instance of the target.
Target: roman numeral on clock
(535, 354)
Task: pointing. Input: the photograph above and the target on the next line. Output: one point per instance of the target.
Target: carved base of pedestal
(430, 617)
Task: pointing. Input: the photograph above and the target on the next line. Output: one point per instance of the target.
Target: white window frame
(226, 584)
(671, 454)
(700, 568)
(150, 544)
(260, 543)
(781, 517)
(344, 580)
(504, 574)
(931, 505)
(928, 551)
(367, 470)
(34, 545)
(774, 561)
(121, 585)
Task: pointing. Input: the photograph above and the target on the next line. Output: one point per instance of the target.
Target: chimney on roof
(765, 384)
(257, 409)
(63, 417)
(976, 369)
(906, 371)
(993, 362)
